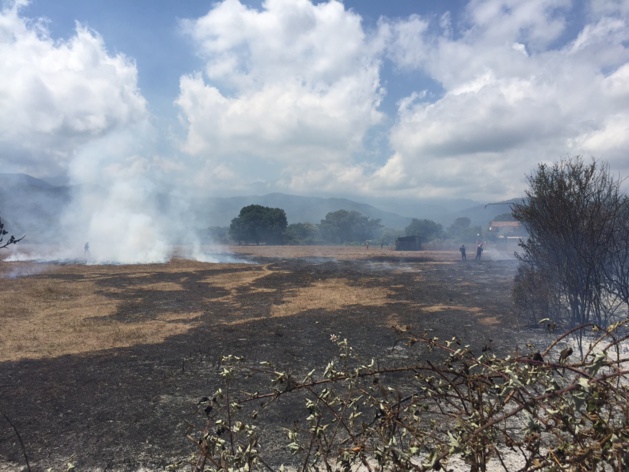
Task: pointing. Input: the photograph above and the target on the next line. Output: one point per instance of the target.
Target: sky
(408, 99)
(403, 99)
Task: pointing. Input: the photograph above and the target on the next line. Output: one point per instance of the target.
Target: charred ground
(114, 381)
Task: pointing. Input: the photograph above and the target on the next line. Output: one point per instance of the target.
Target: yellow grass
(45, 319)
(69, 309)
(331, 295)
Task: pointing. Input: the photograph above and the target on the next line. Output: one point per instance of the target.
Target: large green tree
(302, 233)
(257, 223)
(573, 213)
(462, 231)
(344, 226)
(427, 230)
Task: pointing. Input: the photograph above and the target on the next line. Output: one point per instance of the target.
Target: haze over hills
(299, 209)
(33, 206)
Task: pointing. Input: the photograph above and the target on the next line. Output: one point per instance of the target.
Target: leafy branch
(517, 412)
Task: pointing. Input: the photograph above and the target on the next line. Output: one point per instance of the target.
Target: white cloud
(291, 91)
(70, 106)
(536, 23)
(608, 7)
(502, 112)
(58, 95)
(409, 44)
(290, 97)
(294, 85)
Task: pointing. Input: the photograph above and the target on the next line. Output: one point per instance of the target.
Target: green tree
(257, 223)
(302, 233)
(462, 231)
(344, 226)
(12, 239)
(388, 236)
(428, 230)
(572, 212)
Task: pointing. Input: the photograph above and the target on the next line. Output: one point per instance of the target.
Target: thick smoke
(129, 208)
(126, 207)
(74, 108)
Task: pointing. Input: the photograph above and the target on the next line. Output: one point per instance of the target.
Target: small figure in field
(463, 255)
(367, 244)
(479, 251)
(86, 250)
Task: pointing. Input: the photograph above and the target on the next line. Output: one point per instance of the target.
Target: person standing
(479, 251)
(463, 255)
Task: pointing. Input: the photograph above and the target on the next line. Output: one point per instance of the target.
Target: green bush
(545, 410)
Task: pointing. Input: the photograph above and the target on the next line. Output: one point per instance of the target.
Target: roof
(505, 224)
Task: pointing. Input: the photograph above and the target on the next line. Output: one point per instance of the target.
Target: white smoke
(73, 107)
(129, 207)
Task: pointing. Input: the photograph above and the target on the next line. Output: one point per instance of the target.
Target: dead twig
(19, 438)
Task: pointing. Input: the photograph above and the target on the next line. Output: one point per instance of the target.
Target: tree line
(257, 224)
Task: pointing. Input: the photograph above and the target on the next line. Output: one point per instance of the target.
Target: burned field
(103, 366)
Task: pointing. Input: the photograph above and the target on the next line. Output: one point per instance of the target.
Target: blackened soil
(131, 409)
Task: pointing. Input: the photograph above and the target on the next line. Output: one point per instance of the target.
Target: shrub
(546, 410)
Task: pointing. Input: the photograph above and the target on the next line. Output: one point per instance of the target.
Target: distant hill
(32, 206)
(298, 209)
(15, 181)
(482, 215)
(440, 210)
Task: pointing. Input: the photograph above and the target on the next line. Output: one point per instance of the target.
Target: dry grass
(58, 309)
(341, 252)
(118, 356)
(69, 309)
(331, 295)
(42, 318)
(477, 312)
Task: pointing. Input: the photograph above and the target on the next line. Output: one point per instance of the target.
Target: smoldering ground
(103, 365)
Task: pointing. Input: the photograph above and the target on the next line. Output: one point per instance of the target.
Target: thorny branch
(536, 411)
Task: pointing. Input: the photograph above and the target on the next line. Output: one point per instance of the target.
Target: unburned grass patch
(70, 310)
(331, 295)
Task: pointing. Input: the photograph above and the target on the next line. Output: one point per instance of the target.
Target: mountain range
(31, 205)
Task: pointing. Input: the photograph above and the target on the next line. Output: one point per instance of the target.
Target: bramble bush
(544, 410)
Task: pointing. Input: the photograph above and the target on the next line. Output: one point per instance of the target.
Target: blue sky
(361, 98)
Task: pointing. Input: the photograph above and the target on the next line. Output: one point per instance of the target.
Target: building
(408, 243)
(507, 229)
(507, 234)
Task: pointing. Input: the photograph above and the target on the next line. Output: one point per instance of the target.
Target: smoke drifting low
(124, 208)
